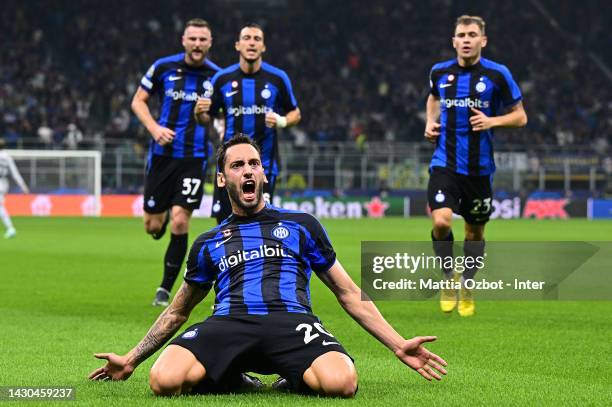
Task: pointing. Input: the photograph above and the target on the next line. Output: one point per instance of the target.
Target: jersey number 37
(191, 186)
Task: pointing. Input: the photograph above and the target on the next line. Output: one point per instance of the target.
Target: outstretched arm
(166, 325)
(410, 352)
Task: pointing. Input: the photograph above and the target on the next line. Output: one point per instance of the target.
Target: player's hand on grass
(432, 131)
(480, 121)
(162, 135)
(116, 368)
(426, 363)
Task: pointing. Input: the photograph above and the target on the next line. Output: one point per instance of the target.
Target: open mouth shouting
(248, 190)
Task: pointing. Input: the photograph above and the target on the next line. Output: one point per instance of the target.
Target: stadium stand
(360, 69)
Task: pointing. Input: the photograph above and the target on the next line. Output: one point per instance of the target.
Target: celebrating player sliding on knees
(260, 261)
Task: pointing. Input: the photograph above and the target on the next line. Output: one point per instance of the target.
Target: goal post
(60, 172)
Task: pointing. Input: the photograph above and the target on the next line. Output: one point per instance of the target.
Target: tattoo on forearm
(168, 322)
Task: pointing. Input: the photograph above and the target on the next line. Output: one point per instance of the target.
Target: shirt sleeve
(200, 271)
(433, 83)
(149, 81)
(320, 251)
(509, 89)
(287, 100)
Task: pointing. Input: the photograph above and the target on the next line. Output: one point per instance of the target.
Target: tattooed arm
(166, 325)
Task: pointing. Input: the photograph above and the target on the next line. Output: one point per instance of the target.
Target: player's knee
(340, 385)
(332, 381)
(442, 224)
(165, 383)
(152, 226)
(180, 225)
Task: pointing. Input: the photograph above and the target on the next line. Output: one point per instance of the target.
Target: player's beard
(251, 60)
(234, 192)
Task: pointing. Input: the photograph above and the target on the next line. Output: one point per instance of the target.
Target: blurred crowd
(359, 69)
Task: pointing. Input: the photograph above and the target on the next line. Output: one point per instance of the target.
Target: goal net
(66, 173)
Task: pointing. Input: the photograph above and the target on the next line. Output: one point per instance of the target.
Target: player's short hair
(198, 22)
(239, 138)
(250, 25)
(467, 20)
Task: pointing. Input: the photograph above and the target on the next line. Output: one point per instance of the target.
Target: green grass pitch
(71, 287)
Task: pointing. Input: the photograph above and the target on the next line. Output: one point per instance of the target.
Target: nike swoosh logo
(175, 78)
(325, 343)
(445, 85)
(191, 200)
(221, 242)
(230, 94)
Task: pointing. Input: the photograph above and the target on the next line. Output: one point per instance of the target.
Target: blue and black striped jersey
(486, 86)
(179, 85)
(261, 264)
(246, 98)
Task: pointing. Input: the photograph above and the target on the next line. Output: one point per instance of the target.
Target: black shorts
(467, 195)
(222, 208)
(172, 181)
(285, 343)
